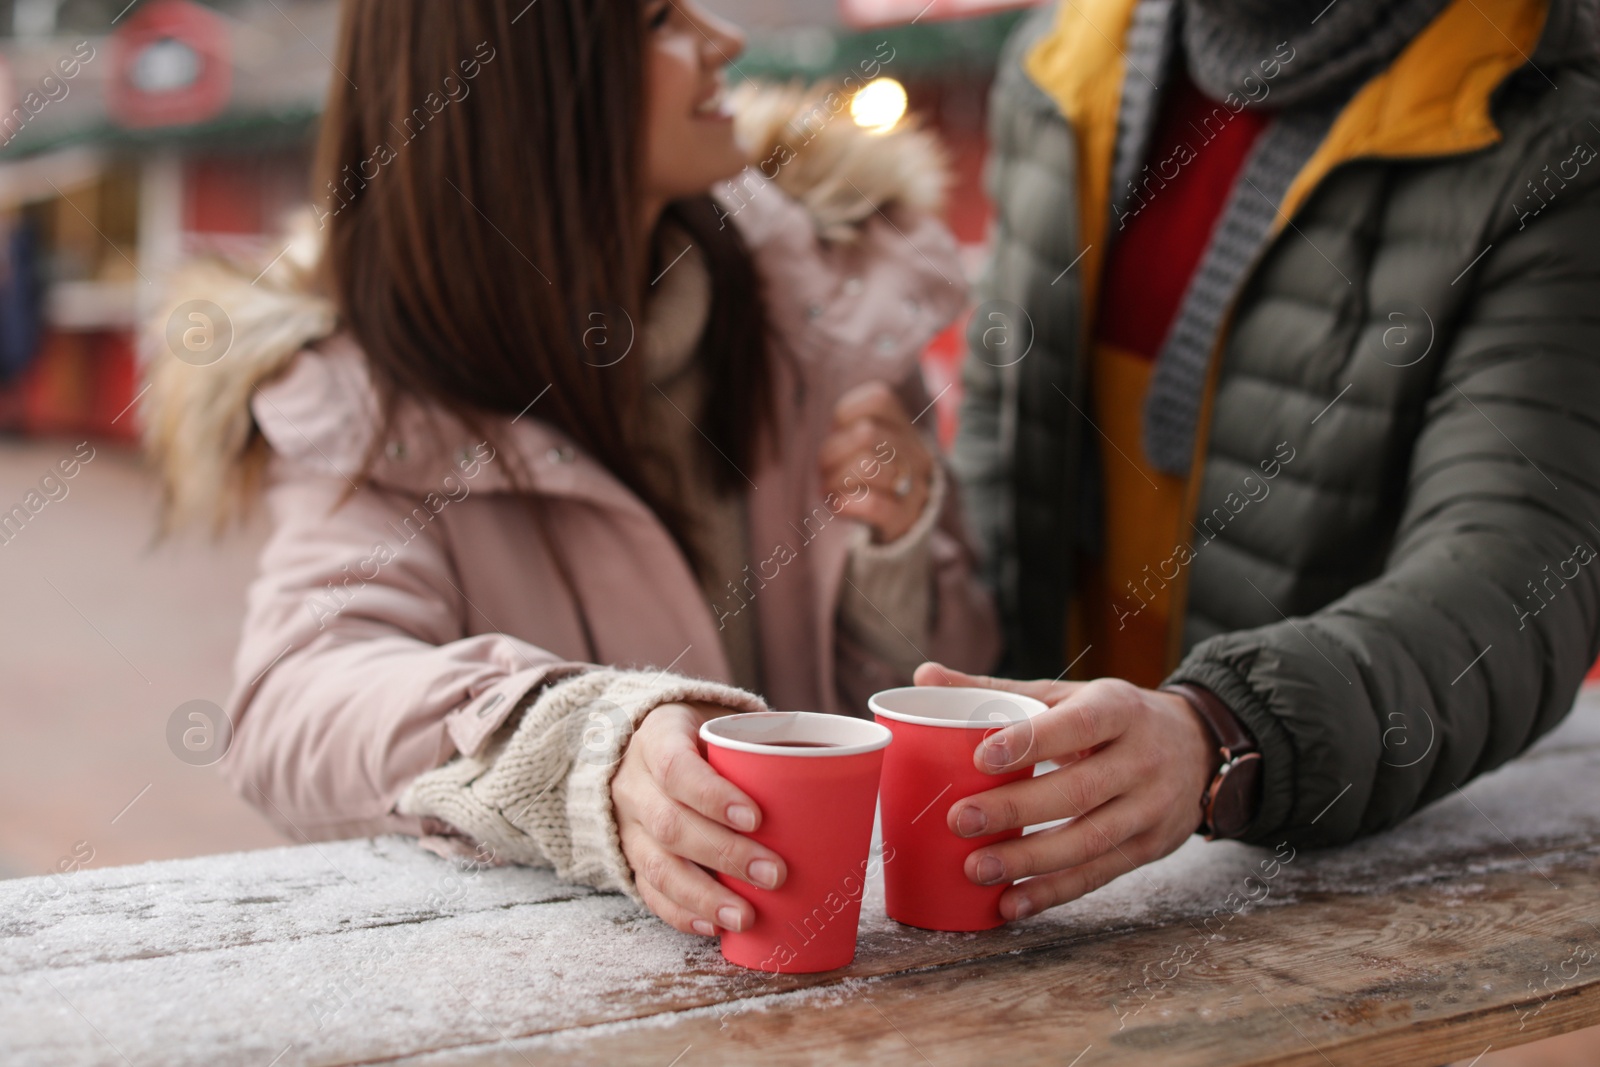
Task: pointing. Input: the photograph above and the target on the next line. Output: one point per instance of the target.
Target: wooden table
(1475, 924)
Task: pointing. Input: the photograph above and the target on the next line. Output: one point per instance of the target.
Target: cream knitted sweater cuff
(886, 602)
(540, 792)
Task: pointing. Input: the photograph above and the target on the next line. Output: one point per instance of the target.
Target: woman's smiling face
(688, 128)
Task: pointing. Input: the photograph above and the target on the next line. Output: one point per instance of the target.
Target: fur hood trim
(221, 333)
(804, 141)
(223, 329)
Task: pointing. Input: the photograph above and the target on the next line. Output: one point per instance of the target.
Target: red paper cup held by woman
(927, 769)
(815, 778)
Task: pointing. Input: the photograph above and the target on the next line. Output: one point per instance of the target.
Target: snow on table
(363, 950)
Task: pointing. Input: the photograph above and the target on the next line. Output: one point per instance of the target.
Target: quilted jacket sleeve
(1473, 640)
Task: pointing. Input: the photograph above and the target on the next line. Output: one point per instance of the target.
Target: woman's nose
(725, 42)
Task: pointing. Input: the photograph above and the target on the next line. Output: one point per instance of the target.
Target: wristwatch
(1229, 803)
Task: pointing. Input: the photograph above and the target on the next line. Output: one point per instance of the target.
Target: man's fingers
(1046, 891)
(1048, 691)
(683, 774)
(1081, 786)
(690, 889)
(1059, 848)
(1092, 714)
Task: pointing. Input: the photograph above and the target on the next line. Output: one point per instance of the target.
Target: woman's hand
(677, 817)
(876, 462)
(1134, 763)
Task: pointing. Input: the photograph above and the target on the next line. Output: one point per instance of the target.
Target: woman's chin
(706, 182)
(725, 164)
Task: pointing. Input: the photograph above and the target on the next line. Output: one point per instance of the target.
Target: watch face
(1235, 795)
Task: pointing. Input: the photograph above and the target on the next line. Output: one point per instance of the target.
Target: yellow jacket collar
(1432, 100)
(1080, 61)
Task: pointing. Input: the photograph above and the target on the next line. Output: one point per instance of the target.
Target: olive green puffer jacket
(1417, 598)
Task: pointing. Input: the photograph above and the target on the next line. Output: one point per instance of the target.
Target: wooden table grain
(1474, 925)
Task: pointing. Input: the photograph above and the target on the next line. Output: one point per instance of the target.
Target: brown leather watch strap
(1224, 724)
(1229, 803)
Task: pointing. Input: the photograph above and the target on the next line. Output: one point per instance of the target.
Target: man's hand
(1134, 763)
(677, 817)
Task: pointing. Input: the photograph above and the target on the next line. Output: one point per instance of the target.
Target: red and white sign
(172, 65)
(868, 14)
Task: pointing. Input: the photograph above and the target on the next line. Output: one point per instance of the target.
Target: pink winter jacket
(399, 627)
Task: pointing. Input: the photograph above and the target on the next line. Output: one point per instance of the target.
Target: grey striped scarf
(1238, 47)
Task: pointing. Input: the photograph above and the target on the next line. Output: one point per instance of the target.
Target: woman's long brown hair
(479, 179)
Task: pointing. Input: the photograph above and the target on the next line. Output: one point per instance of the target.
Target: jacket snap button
(885, 342)
(561, 454)
(396, 450)
(853, 286)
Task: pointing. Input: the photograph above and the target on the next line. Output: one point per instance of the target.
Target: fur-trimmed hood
(205, 365)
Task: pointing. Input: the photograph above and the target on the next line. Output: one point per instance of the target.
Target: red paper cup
(816, 812)
(927, 769)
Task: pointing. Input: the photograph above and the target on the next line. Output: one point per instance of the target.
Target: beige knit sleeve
(886, 603)
(540, 792)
